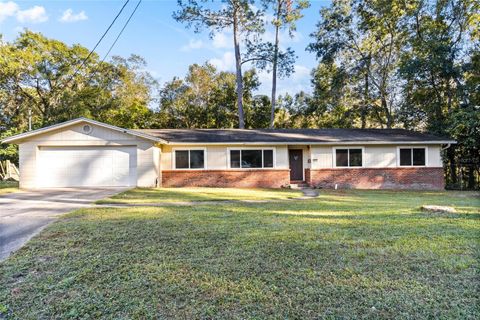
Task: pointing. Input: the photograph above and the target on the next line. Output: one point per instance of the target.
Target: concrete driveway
(26, 213)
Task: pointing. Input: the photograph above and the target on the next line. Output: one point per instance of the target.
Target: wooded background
(381, 64)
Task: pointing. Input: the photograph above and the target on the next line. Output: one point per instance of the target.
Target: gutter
(314, 143)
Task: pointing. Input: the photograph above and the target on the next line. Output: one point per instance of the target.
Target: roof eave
(25, 135)
(438, 142)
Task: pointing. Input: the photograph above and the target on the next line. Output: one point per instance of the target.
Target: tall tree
(238, 16)
(267, 54)
(438, 72)
(205, 98)
(42, 77)
(365, 38)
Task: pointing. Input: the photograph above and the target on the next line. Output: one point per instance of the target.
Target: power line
(96, 45)
(121, 31)
(116, 39)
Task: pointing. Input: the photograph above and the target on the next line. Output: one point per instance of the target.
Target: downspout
(159, 166)
(448, 146)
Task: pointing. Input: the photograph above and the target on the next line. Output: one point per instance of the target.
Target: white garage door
(86, 166)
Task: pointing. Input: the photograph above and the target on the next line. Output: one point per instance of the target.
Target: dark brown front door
(295, 157)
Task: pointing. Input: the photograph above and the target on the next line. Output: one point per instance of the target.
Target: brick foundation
(265, 178)
(377, 178)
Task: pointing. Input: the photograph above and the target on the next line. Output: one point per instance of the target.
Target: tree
(205, 98)
(235, 15)
(43, 77)
(267, 54)
(438, 70)
(365, 38)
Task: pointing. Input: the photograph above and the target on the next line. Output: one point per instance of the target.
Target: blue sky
(168, 47)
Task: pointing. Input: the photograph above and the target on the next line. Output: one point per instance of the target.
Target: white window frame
(334, 157)
(411, 156)
(174, 164)
(274, 151)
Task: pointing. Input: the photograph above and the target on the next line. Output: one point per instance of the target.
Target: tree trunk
(387, 112)
(471, 178)
(274, 67)
(238, 67)
(452, 164)
(363, 114)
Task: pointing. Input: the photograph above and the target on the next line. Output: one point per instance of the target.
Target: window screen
(251, 158)
(412, 157)
(196, 159)
(342, 157)
(234, 158)
(268, 158)
(355, 157)
(189, 159)
(405, 157)
(181, 159)
(418, 157)
(348, 157)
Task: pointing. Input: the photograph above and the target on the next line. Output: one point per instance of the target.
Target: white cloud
(7, 9)
(298, 81)
(192, 45)
(35, 14)
(225, 63)
(222, 40)
(69, 16)
(301, 73)
(283, 36)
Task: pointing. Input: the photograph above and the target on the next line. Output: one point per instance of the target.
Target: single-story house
(83, 152)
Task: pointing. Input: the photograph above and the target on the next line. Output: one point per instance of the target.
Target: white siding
(380, 157)
(321, 157)
(146, 159)
(217, 155)
(27, 164)
(434, 156)
(384, 156)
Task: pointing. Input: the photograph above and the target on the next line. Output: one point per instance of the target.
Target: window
(251, 158)
(268, 158)
(412, 156)
(189, 159)
(347, 157)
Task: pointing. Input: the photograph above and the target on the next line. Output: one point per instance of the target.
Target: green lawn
(8, 186)
(147, 195)
(346, 254)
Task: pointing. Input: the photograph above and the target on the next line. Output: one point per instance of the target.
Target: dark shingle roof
(292, 136)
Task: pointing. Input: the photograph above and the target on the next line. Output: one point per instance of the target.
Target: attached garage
(87, 166)
(87, 153)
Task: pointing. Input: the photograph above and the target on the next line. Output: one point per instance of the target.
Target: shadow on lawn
(246, 261)
(200, 194)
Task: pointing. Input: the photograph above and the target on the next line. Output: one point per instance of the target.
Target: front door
(295, 157)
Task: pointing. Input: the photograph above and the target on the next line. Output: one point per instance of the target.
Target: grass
(346, 254)
(148, 195)
(8, 187)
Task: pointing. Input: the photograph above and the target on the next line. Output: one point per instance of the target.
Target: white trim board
(274, 151)
(409, 147)
(329, 143)
(205, 156)
(57, 126)
(334, 157)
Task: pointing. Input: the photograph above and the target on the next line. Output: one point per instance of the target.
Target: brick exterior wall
(377, 178)
(264, 178)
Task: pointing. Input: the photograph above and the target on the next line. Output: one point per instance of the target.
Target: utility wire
(121, 31)
(96, 45)
(114, 42)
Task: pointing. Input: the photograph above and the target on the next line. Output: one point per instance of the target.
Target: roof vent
(87, 129)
